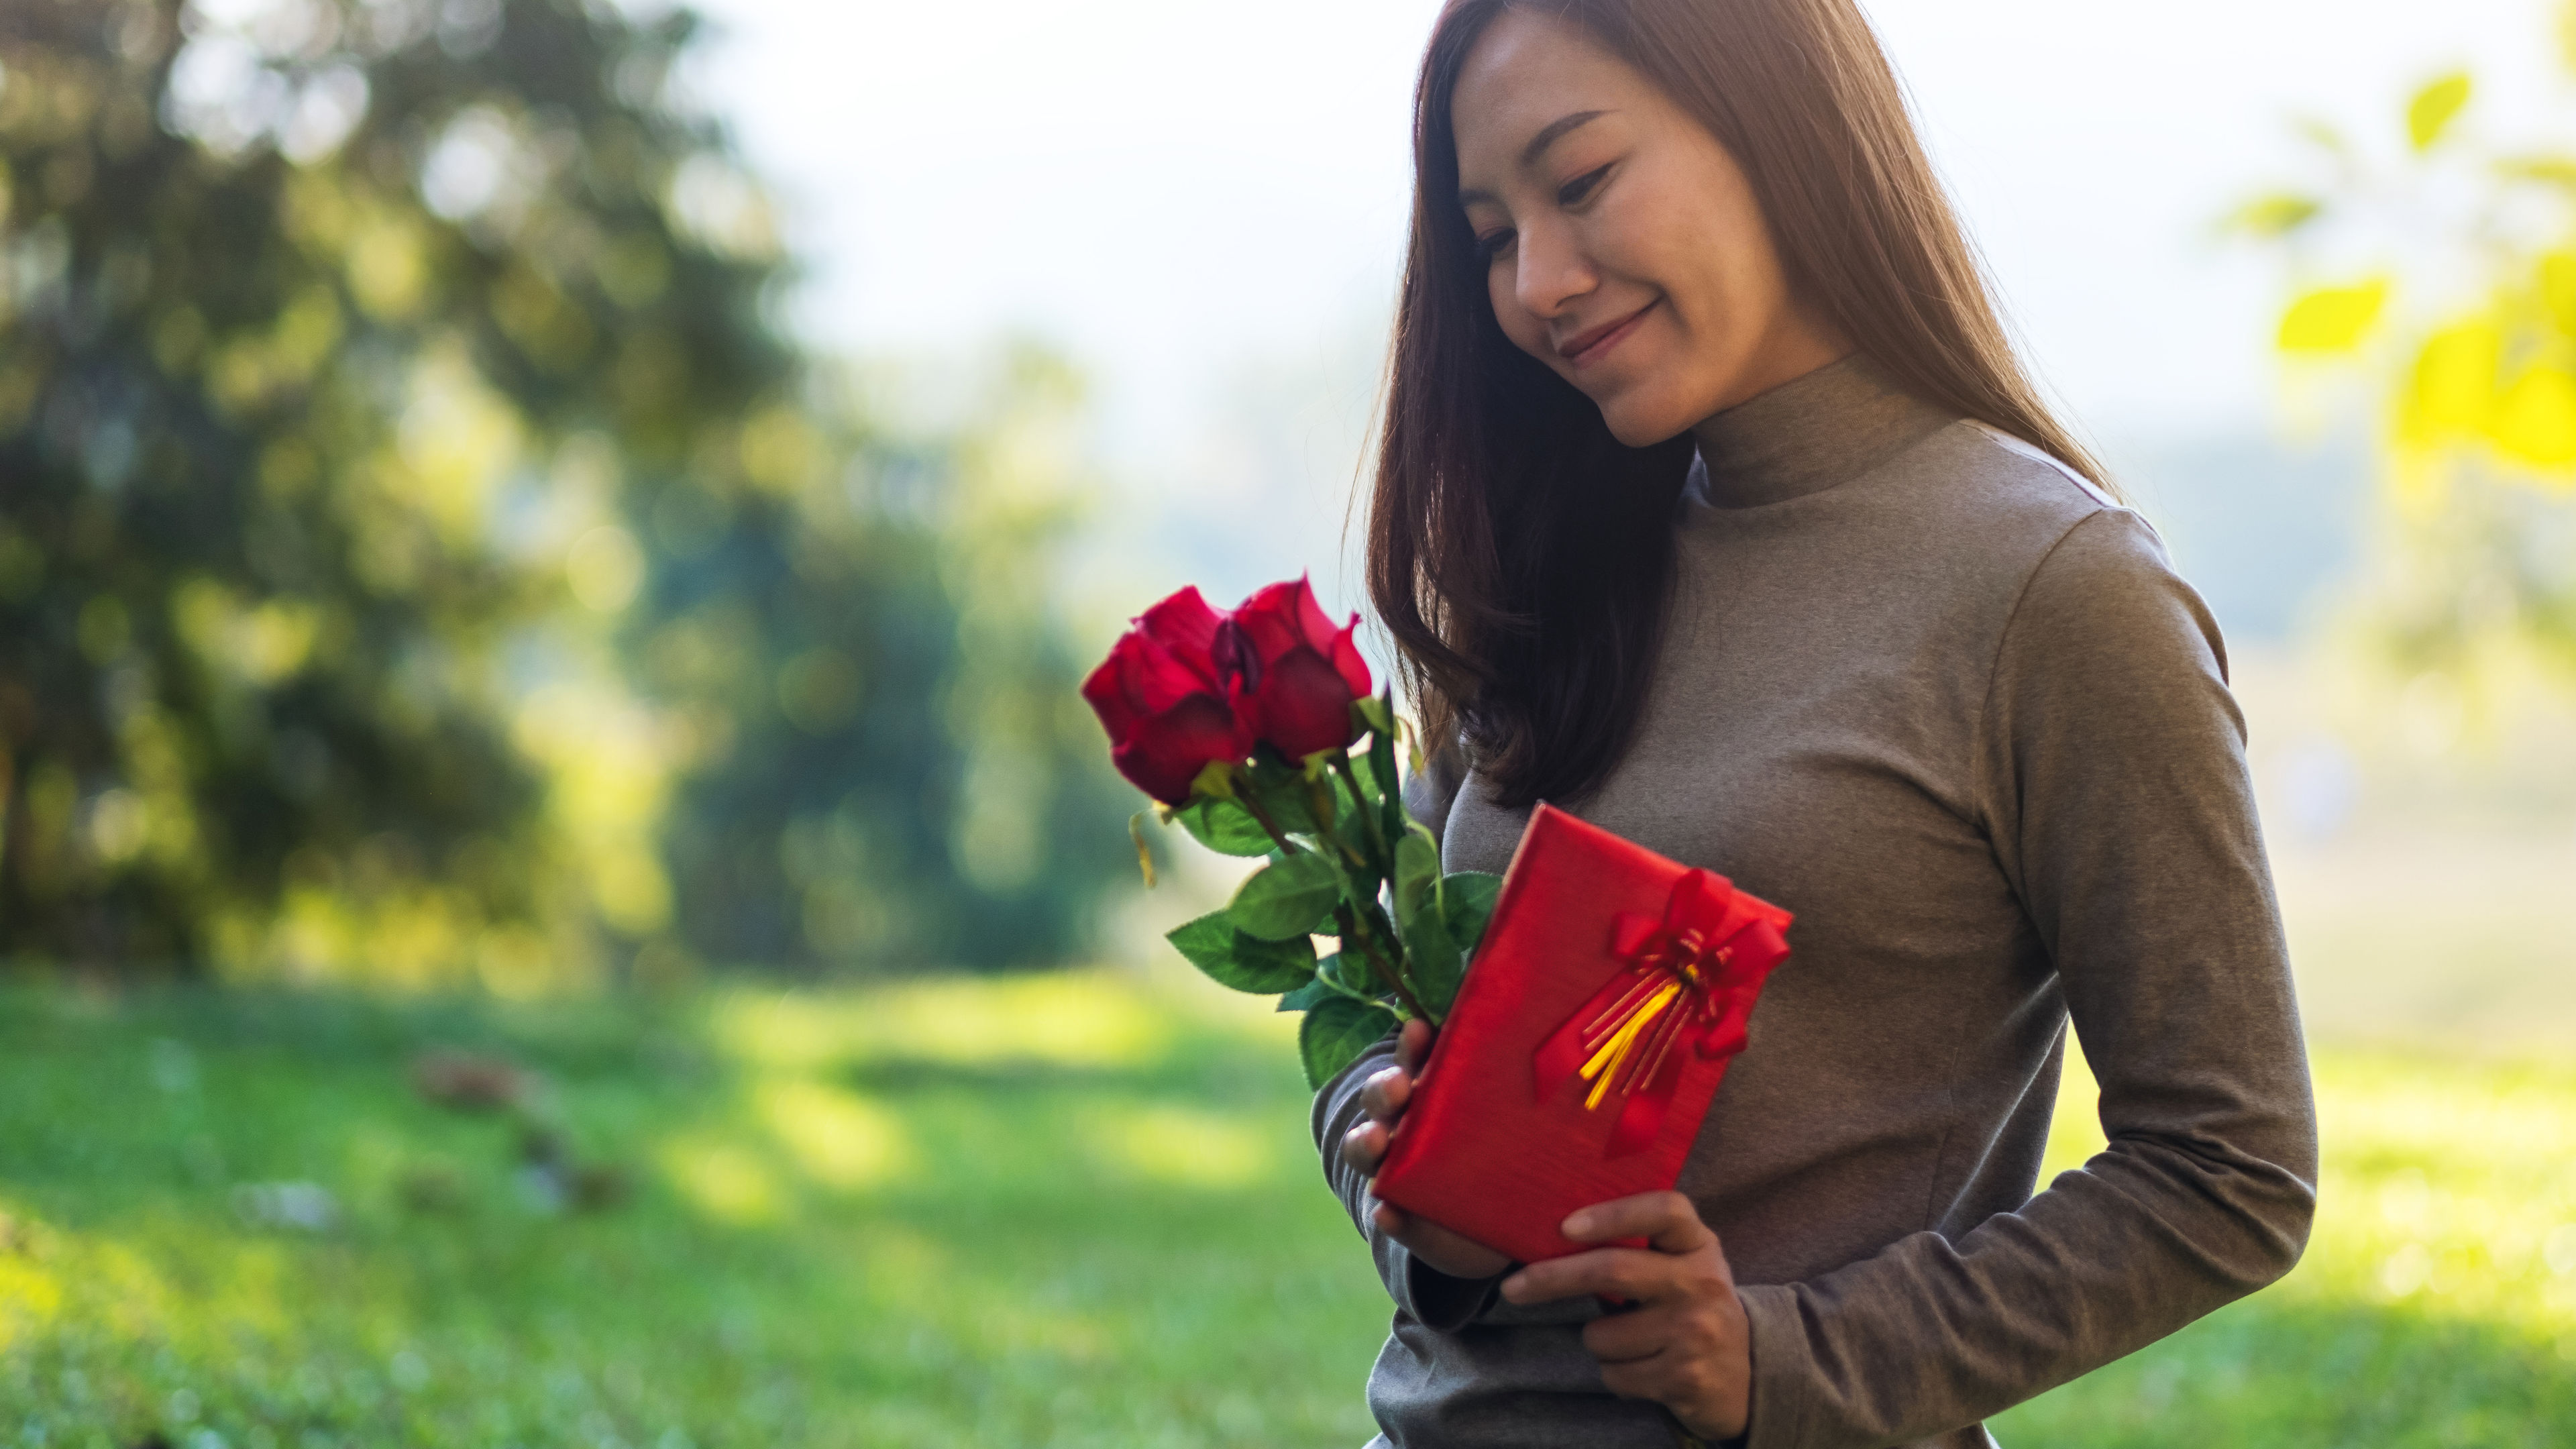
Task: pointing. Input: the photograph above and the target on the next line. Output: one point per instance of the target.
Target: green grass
(1046, 1211)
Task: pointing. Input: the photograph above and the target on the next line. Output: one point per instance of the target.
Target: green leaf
(1441, 939)
(1224, 827)
(1215, 780)
(2430, 113)
(1417, 870)
(1233, 959)
(1466, 904)
(1348, 805)
(1344, 974)
(1381, 754)
(1431, 959)
(1286, 899)
(1281, 789)
(1305, 997)
(1335, 1033)
(1349, 970)
(1376, 713)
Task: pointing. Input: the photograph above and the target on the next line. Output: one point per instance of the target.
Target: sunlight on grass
(1068, 1210)
(1186, 1148)
(1072, 1019)
(839, 1139)
(723, 1180)
(29, 1299)
(2448, 1187)
(2436, 1303)
(2450, 1190)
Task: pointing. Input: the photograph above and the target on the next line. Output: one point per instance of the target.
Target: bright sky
(1193, 195)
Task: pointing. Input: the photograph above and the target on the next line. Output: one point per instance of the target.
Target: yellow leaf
(2272, 214)
(2558, 288)
(2536, 421)
(2454, 384)
(2430, 113)
(2332, 319)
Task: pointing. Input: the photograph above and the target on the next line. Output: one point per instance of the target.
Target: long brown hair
(1522, 556)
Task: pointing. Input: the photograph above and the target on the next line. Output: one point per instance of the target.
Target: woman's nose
(1551, 272)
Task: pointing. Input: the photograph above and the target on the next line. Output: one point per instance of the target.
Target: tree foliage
(420, 558)
(2441, 270)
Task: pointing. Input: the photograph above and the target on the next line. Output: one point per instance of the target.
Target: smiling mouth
(1587, 348)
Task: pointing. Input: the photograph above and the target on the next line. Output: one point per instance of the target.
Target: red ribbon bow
(1693, 974)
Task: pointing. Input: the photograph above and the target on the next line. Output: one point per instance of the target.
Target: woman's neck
(1806, 435)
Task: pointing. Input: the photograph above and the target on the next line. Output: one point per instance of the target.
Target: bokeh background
(554, 888)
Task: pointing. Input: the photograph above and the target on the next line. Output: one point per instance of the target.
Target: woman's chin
(1640, 422)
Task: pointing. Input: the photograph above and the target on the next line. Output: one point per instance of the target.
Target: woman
(1714, 506)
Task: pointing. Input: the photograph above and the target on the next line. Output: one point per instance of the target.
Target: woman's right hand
(1384, 1099)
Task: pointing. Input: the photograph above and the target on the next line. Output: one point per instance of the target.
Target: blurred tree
(2445, 278)
(900, 767)
(416, 544)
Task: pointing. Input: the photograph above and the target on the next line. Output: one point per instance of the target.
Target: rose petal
(1303, 705)
(1106, 688)
(1314, 626)
(1346, 659)
(1166, 753)
(1160, 680)
(1269, 620)
(1186, 626)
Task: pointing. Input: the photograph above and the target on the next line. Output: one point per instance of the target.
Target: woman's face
(1623, 246)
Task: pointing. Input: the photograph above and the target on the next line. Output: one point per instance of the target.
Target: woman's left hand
(1683, 1341)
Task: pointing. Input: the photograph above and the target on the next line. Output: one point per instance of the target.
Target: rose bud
(1159, 697)
(1290, 672)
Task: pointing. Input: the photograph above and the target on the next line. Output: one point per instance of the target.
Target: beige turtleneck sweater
(1954, 709)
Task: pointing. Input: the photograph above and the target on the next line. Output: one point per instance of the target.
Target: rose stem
(1344, 917)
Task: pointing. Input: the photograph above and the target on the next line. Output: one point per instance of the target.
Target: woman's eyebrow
(1547, 136)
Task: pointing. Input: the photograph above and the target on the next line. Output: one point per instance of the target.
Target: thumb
(1668, 1221)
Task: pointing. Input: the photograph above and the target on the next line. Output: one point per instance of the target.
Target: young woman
(1715, 507)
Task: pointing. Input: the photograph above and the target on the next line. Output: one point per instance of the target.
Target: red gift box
(1610, 992)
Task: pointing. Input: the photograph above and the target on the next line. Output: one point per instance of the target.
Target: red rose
(1160, 699)
(1289, 671)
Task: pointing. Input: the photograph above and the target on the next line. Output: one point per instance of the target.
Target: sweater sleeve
(1421, 1292)
(2116, 796)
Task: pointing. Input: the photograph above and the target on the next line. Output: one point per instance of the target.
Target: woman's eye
(1492, 243)
(1573, 192)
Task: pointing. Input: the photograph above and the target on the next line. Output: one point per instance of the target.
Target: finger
(1665, 1219)
(1363, 1146)
(1646, 1378)
(1384, 1094)
(1412, 1044)
(1621, 1272)
(1451, 1252)
(1632, 1336)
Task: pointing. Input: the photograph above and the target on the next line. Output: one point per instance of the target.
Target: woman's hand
(1384, 1099)
(1684, 1342)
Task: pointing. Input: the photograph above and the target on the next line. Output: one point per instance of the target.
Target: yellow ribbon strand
(1606, 1062)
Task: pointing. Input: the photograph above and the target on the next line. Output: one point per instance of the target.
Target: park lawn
(1044, 1210)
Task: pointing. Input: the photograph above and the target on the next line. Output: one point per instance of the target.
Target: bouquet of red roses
(1257, 731)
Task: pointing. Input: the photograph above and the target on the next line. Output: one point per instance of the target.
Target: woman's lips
(1590, 347)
